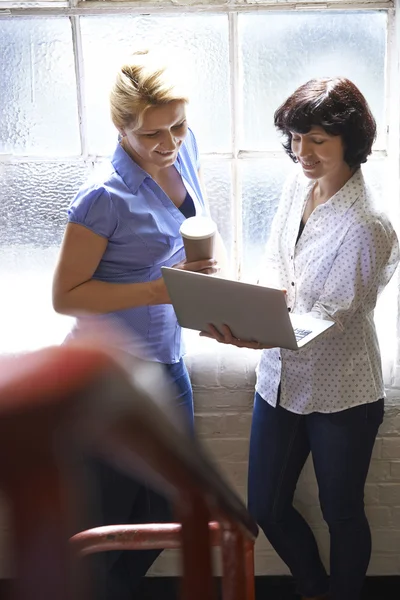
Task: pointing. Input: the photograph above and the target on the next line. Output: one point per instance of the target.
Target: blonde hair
(142, 82)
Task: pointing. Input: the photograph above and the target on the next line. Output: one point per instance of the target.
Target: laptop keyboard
(301, 333)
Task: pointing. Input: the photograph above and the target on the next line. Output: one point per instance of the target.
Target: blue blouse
(141, 224)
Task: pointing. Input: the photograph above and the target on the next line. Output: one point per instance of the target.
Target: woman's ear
(121, 134)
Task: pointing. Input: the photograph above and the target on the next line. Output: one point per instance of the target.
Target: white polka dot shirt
(345, 256)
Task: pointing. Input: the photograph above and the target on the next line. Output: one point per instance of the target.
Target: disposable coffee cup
(198, 234)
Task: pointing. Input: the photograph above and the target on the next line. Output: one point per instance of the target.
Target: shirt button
(292, 282)
(292, 257)
(289, 309)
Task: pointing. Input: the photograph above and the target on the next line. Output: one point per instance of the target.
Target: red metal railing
(238, 561)
(58, 400)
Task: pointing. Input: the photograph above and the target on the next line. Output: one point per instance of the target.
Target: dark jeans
(116, 575)
(341, 445)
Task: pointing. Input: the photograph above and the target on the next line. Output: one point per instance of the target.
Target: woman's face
(159, 138)
(319, 153)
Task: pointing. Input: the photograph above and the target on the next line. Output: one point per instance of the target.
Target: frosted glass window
(33, 203)
(34, 200)
(262, 181)
(38, 88)
(39, 117)
(201, 44)
(382, 177)
(217, 180)
(27, 317)
(280, 51)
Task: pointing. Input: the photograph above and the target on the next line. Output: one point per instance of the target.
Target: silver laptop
(252, 312)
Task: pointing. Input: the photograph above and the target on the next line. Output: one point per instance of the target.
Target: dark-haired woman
(333, 252)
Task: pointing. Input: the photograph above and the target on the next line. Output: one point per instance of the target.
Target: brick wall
(223, 381)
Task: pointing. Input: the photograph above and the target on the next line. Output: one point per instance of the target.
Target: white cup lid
(198, 227)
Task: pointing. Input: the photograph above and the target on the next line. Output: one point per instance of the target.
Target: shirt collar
(347, 195)
(125, 166)
(129, 170)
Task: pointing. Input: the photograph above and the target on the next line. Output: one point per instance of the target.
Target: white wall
(223, 381)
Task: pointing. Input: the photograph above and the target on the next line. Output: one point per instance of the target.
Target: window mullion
(390, 80)
(236, 120)
(83, 7)
(80, 90)
(393, 150)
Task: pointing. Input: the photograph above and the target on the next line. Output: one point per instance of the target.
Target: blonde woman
(121, 231)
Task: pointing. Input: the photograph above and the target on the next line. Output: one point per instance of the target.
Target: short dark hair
(336, 105)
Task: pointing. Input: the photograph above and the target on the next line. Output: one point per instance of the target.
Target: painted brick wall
(223, 381)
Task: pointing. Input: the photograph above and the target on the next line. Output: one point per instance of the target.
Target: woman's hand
(226, 337)
(209, 266)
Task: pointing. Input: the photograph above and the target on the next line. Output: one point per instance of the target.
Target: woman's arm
(76, 293)
(74, 290)
(364, 264)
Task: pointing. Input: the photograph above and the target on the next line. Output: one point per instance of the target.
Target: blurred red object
(58, 400)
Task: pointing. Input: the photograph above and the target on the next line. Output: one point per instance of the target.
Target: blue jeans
(122, 500)
(341, 445)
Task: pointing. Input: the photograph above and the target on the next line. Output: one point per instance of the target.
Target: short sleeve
(93, 208)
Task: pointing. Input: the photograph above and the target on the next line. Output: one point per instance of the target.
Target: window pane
(217, 179)
(38, 88)
(280, 51)
(32, 221)
(33, 209)
(200, 42)
(381, 175)
(28, 319)
(262, 181)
